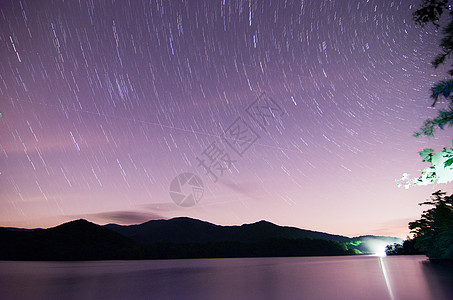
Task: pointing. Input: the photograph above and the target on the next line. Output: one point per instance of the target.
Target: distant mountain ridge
(175, 238)
(75, 240)
(184, 230)
(188, 230)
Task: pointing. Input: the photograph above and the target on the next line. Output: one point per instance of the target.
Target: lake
(346, 277)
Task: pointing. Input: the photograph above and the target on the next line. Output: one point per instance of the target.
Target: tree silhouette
(441, 169)
(431, 11)
(433, 233)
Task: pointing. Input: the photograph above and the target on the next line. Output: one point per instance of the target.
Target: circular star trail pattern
(104, 102)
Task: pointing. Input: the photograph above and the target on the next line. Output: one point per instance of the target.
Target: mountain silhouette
(174, 238)
(185, 230)
(75, 240)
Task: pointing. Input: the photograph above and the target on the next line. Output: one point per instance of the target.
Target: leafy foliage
(406, 248)
(440, 171)
(433, 233)
(441, 88)
(431, 11)
(446, 44)
(394, 249)
(445, 116)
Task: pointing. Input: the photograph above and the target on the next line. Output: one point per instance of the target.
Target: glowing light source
(381, 252)
(378, 247)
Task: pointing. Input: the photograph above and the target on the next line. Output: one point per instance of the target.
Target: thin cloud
(127, 217)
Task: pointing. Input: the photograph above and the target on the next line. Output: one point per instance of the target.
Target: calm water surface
(359, 277)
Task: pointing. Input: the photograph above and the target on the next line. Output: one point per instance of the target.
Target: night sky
(104, 103)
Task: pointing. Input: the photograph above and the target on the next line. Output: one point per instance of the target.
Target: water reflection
(386, 277)
(439, 276)
(358, 277)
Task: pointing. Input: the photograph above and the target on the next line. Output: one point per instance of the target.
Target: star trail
(104, 103)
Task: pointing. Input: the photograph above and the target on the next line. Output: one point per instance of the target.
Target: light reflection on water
(358, 277)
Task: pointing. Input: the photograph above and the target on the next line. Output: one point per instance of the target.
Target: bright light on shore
(381, 252)
(379, 248)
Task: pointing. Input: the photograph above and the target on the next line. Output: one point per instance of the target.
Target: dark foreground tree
(441, 169)
(433, 233)
(407, 248)
(431, 11)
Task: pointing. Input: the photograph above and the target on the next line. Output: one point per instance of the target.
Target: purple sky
(104, 104)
